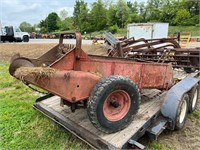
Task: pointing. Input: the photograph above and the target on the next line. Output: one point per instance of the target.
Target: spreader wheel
(113, 103)
(19, 62)
(182, 111)
(193, 95)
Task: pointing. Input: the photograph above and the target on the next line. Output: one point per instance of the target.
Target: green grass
(22, 127)
(195, 31)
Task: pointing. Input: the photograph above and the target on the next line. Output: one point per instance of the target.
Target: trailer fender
(173, 98)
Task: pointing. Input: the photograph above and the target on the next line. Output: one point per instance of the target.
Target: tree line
(109, 15)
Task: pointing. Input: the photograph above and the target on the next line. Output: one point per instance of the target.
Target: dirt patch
(37, 50)
(6, 89)
(186, 139)
(26, 50)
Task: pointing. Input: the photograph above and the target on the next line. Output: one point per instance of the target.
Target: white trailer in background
(147, 30)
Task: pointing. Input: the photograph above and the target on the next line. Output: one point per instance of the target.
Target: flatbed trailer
(149, 120)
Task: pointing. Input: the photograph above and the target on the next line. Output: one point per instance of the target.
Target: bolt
(114, 103)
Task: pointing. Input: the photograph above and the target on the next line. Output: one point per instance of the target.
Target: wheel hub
(116, 105)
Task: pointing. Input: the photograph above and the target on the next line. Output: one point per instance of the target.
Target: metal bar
(188, 55)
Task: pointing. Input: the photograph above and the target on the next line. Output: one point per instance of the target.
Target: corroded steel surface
(77, 73)
(163, 50)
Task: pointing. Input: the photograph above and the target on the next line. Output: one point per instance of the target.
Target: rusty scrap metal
(164, 50)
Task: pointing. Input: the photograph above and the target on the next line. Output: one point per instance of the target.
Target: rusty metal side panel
(96, 67)
(169, 80)
(156, 76)
(145, 75)
(66, 62)
(105, 69)
(70, 85)
(130, 70)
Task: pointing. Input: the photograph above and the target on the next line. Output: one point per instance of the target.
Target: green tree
(26, 27)
(122, 13)
(76, 13)
(182, 17)
(81, 16)
(98, 16)
(153, 10)
(63, 21)
(43, 30)
(133, 7)
(168, 11)
(42, 24)
(67, 24)
(137, 10)
(111, 15)
(52, 22)
(63, 14)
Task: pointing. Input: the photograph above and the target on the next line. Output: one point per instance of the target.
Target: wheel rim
(116, 105)
(194, 100)
(183, 111)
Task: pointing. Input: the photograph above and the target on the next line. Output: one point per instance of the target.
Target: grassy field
(22, 127)
(195, 31)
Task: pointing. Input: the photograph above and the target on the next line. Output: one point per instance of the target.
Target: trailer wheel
(113, 103)
(193, 95)
(182, 111)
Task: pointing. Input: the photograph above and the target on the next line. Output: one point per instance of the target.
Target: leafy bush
(182, 18)
(197, 25)
(113, 29)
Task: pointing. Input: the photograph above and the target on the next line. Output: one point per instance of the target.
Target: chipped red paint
(77, 73)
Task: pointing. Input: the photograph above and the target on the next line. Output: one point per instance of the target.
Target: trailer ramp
(78, 123)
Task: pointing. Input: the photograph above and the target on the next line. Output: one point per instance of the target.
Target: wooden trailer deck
(78, 123)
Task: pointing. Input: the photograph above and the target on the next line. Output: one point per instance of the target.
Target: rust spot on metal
(73, 99)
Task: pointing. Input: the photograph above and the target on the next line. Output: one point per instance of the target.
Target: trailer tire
(182, 111)
(193, 95)
(193, 62)
(113, 103)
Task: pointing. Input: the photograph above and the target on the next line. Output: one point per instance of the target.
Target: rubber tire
(19, 62)
(189, 70)
(99, 94)
(191, 96)
(25, 38)
(178, 125)
(194, 62)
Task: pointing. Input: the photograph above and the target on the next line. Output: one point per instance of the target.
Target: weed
(156, 146)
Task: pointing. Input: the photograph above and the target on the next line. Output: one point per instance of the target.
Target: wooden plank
(51, 100)
(120, 139)
(141, 117)
(80, 118)
(83, 134)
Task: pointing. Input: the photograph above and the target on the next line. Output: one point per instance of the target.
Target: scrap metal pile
(164, 50)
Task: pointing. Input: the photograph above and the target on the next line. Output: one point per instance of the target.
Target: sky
(14, 12)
